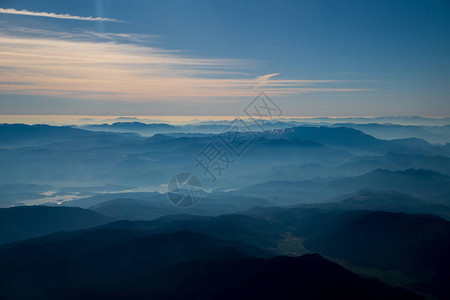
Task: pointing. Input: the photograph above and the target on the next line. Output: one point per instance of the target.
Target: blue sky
(315, 58)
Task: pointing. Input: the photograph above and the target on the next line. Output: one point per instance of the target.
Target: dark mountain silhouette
(305, 277)
(182, 265)
(235, 227)
(102, 256)
(159, 205)
(378, 229)
(18, 223)
(415, 244)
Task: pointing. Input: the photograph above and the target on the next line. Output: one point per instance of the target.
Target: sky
(145, 57)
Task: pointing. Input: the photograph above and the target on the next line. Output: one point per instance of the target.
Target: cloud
(12, 11)
(263, 79)
(86, 66)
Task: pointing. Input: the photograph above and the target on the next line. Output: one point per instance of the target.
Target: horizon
(61, 120)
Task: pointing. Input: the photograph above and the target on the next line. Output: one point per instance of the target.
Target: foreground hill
(306, 277)
(181, 265)
(418, 245)
(23, 222)
(415, 245)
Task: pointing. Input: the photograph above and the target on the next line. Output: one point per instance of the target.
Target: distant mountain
(22, 132)
(24, 188)
(97, 199)
(400, 120)
(347, 138)
(440, 198)
(422, 146)
(139, 209)
(341, 137)
(417, 182)
(16, 192)
(413, 181)
(98, 158)
(159, 205)
(259, 232)
(148, 129)
(23, 222)
(400, 162)
(359, 166)
(387, 201)
(389, 131)
(256, 231)
(21, 135)
(73, 157)
(136, 127)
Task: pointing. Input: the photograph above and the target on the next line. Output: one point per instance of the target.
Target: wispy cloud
(263, 79)
(86, 66)
(12, 11)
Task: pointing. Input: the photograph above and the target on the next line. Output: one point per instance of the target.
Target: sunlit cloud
(264, 79)
(12, 11)
(90, 66)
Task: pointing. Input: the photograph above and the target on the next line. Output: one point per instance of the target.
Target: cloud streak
(262, 80)
(12, 11)
(81, 66)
